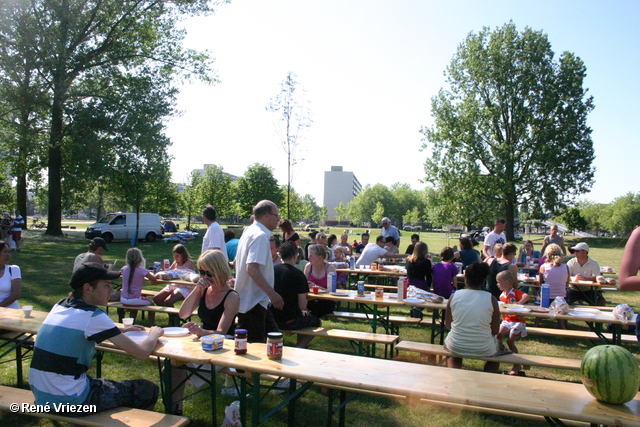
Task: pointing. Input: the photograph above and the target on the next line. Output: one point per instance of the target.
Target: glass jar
(241, 341)
(274, 345)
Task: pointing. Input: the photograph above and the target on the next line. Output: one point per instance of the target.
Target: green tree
(258, 183)
(572, 219)
(215, 189)
(519, 115)
(190, 200)
(342, 211)
(624, 214)
(378, 213)
(596, 214)
(290, 111)
(311, 209)
(362, 206)
(404, 200)
(82, 48)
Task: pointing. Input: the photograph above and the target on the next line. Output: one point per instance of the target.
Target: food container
(212, 342)
(379, 292)
(274, 345)
(360, 288)
(241, 341)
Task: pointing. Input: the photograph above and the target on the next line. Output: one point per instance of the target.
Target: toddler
(512, 326)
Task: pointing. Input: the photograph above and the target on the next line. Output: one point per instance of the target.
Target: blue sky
(370, 69)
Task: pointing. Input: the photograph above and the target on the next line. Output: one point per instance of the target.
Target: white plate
(340, 294)
(513, 305)
(137, 336)
(176, 332)
(364, 296)
(414, 300)
(518, 309)
(392, 296)
(587, 310)
(582, 314)
(586, 282)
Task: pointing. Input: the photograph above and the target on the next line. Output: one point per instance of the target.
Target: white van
(122, 226)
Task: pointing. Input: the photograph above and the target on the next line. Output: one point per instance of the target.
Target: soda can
(360, 288)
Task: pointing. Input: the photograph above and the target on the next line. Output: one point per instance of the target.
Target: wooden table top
(351, 297)
(372, 272)
(519, 394)
(14, 320)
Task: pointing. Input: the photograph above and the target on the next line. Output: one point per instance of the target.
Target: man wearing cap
(496, 236)
(65, 347)
(390, 230)
(583, 268)
(96, 248)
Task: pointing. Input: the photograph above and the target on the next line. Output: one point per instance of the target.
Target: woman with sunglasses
(10, 279)
(217, 306)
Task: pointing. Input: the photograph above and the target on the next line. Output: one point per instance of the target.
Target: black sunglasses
(205, 273)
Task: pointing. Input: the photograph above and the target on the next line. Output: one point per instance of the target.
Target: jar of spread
(241, 341)
(274, 345)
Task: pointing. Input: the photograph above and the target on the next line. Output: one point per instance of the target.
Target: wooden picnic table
(555, 400)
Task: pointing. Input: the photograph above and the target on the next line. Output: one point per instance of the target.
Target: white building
(339, 186)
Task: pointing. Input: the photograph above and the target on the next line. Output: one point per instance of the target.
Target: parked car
(122, 226)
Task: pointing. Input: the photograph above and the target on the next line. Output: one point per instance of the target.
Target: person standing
(390, 230)
(231, 243)
(6, 224)
(18, 225)
(214, 237)
(496, 236)
(255, 274)
(553, 237)
(629, 267)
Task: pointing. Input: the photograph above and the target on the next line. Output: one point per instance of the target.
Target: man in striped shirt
(65, 346)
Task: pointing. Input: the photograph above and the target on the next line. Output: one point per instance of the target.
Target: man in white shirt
(390, 230)
(214, 237)
(496, 236)
(376, 250)
(584, 269)
(255, 275)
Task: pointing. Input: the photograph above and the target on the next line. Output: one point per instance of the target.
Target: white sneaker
(229, 391)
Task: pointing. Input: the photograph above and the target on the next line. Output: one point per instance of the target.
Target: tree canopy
(68, 57)
(511, 129)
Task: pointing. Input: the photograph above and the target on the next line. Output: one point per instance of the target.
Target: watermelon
(610, 373)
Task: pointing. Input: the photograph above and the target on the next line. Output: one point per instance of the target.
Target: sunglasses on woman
(205, 273)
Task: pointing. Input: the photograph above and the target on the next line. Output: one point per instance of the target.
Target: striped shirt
(63, 351)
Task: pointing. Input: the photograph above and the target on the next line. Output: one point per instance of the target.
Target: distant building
(339, 186)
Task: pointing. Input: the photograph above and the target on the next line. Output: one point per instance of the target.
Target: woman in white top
(10, 279)
(473, 318)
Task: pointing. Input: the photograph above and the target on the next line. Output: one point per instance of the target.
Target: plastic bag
(232, 415)
(624, 313)
(558, 306)
(415, 292)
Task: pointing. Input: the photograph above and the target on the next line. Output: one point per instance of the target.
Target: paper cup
(26, 309)
(127, 321)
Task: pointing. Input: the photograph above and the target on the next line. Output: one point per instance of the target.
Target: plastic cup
(127, 321)
(315, 289)
(26, 309)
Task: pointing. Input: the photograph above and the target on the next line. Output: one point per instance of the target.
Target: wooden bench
(394, 321)
(572, 333)
(113, 417)
(526, 360)
(360, 341)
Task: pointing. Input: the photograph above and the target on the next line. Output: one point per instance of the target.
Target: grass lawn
(46, 267)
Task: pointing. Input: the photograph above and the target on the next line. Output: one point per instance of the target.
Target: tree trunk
(21, 196)
(54, 221)
(509, 216)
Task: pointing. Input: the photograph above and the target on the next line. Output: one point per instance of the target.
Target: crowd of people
(268, 293)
